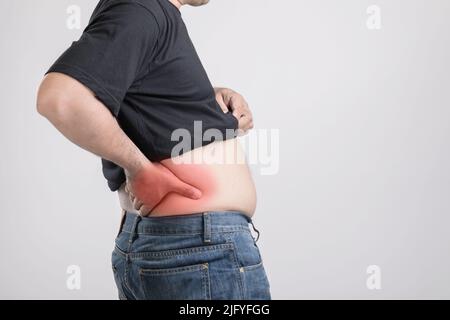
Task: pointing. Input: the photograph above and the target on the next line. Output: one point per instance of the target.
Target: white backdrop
(363, 116)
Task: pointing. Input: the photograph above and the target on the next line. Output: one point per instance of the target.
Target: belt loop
(133, 231)
(256, 230)
(206, 227)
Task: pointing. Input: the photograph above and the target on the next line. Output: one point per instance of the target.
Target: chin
(197, 3)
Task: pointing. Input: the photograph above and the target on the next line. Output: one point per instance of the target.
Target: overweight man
(132, 90)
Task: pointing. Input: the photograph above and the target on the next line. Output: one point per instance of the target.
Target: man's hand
(230, 100)
(152, 183)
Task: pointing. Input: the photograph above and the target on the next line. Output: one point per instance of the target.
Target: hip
(210, 255)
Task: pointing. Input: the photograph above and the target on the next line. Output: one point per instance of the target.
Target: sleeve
(112, 52)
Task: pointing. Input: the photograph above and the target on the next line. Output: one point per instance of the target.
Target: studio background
(364, 175)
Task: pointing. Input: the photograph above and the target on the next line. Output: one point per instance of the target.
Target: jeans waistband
(204, 222)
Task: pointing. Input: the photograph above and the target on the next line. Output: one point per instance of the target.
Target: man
(133, 91)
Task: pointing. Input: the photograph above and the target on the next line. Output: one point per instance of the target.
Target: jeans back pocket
(180, 283)
(256, 284)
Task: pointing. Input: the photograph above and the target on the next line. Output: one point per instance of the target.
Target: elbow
(43, 106)
(50, 104)
(61, 99)
(47, 104)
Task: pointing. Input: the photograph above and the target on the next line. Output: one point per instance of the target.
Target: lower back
(220, 171)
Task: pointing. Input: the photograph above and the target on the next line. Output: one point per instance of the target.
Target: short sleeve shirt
(136, 56)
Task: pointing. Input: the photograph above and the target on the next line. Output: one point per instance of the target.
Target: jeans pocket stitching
(118, 283)
(252, 267)
(258, 268)
(229, 239)
(179, 252)
(119, 251)
(203, 268)
(175, 270)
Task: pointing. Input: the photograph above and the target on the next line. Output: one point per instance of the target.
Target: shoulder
(149, 7)
(130, 14)
(126, 7)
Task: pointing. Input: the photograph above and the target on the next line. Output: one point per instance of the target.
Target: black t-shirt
(138, 59)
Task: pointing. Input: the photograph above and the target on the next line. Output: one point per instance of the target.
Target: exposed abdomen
(220, 171)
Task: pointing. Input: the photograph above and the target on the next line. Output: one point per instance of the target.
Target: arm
(73, 109)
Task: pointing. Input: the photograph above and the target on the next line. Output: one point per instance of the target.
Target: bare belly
(219, 170)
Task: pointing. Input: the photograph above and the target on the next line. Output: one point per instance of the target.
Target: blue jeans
(203, 256)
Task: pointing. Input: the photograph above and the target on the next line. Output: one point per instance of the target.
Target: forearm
(92, 127)
(85, 121)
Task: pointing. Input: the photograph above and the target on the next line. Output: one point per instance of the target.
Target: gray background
(364, 161)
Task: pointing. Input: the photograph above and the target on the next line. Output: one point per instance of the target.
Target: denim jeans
(203, 256)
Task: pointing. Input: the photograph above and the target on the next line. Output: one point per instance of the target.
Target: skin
(231, 100)
(73, 109)
(225, 185)
(194, 3)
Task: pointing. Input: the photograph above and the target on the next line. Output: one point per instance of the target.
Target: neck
(177, 3)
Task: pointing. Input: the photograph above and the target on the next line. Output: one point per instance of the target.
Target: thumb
(222, 104)
(187, 190)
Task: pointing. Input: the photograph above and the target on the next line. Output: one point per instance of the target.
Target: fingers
(161, 182)
(238, 113)
(245, 124)
(241, 111)
(131, 196)
(228, 99)
(221, 103)
(137, 204)
(239, 106)
(145, 211)
(187, 190)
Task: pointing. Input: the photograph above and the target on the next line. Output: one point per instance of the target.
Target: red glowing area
(197, 175)
(157, 187)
